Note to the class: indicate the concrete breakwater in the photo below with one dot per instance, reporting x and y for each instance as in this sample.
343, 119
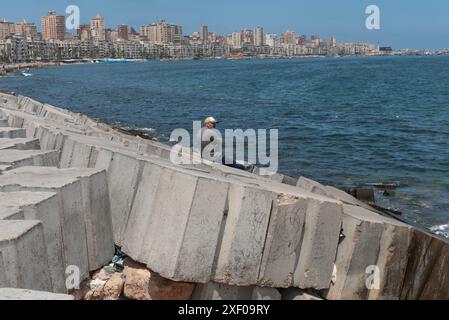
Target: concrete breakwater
71, 188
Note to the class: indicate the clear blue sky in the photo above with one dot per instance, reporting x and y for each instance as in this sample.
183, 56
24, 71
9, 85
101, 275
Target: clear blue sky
417, 24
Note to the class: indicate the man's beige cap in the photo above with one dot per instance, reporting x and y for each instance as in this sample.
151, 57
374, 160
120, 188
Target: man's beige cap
210, 120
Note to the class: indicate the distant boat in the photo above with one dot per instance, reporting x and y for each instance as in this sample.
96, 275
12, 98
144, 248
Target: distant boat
26, 74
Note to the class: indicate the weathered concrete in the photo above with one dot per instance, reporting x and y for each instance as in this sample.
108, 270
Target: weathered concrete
242, 245
331, 192
22, 158
4, 123
283, 242
4, 168
19, 144
427, 274
43, 206
24, 256
84, 205
370, 240
191, 210
30, 295
319, 245
44, 179
8, 132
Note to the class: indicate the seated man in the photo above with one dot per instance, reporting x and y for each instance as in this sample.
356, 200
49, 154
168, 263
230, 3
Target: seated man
210, 144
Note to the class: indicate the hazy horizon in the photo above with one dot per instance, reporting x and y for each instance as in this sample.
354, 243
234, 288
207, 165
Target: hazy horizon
404, 24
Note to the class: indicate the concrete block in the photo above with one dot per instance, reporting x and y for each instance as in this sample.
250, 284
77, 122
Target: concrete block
69, 190
370, 241
283, 242
331, 192
426, 275
19, 144
31, 295
357, 251
24, 255
124, 174
242, 245
97, 218
8, 132
4, 168
86, 213
392, 261
190, 209
4, 123
22, 158
319, 246
260, 293
282, 178
312, 186
43, 206
215, 291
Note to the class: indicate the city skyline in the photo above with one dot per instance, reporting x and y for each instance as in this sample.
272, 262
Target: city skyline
399, 27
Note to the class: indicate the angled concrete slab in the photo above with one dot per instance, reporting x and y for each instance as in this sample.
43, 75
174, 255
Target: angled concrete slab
24, 255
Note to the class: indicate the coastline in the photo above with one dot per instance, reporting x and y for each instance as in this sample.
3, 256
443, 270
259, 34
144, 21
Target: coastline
350, 225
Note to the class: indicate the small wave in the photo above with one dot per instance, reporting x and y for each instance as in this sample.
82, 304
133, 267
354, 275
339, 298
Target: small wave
441, 230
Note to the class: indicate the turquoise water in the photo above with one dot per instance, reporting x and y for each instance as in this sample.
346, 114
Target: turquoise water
341, 121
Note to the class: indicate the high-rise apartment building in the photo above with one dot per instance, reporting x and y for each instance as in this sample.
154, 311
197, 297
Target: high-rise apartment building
84, 32
162, 33
332, 42
7, 29
288, 37
248, 36
53, 26
259, 38
123, 32
271, 40
236, 40
97, 28
204, 33
26, 30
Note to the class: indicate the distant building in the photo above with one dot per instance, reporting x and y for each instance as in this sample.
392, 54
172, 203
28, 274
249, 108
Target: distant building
259, 39
301, 40
53, 26
248, 36
97, 28
204, 33
271, 40
332, 42
288, 37
315, 41
26, 30
7, 29
84, 32
162, 33
123, 32
236, 40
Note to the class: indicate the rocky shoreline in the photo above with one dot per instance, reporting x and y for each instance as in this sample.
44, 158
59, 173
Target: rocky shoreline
7, 68
73, 189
